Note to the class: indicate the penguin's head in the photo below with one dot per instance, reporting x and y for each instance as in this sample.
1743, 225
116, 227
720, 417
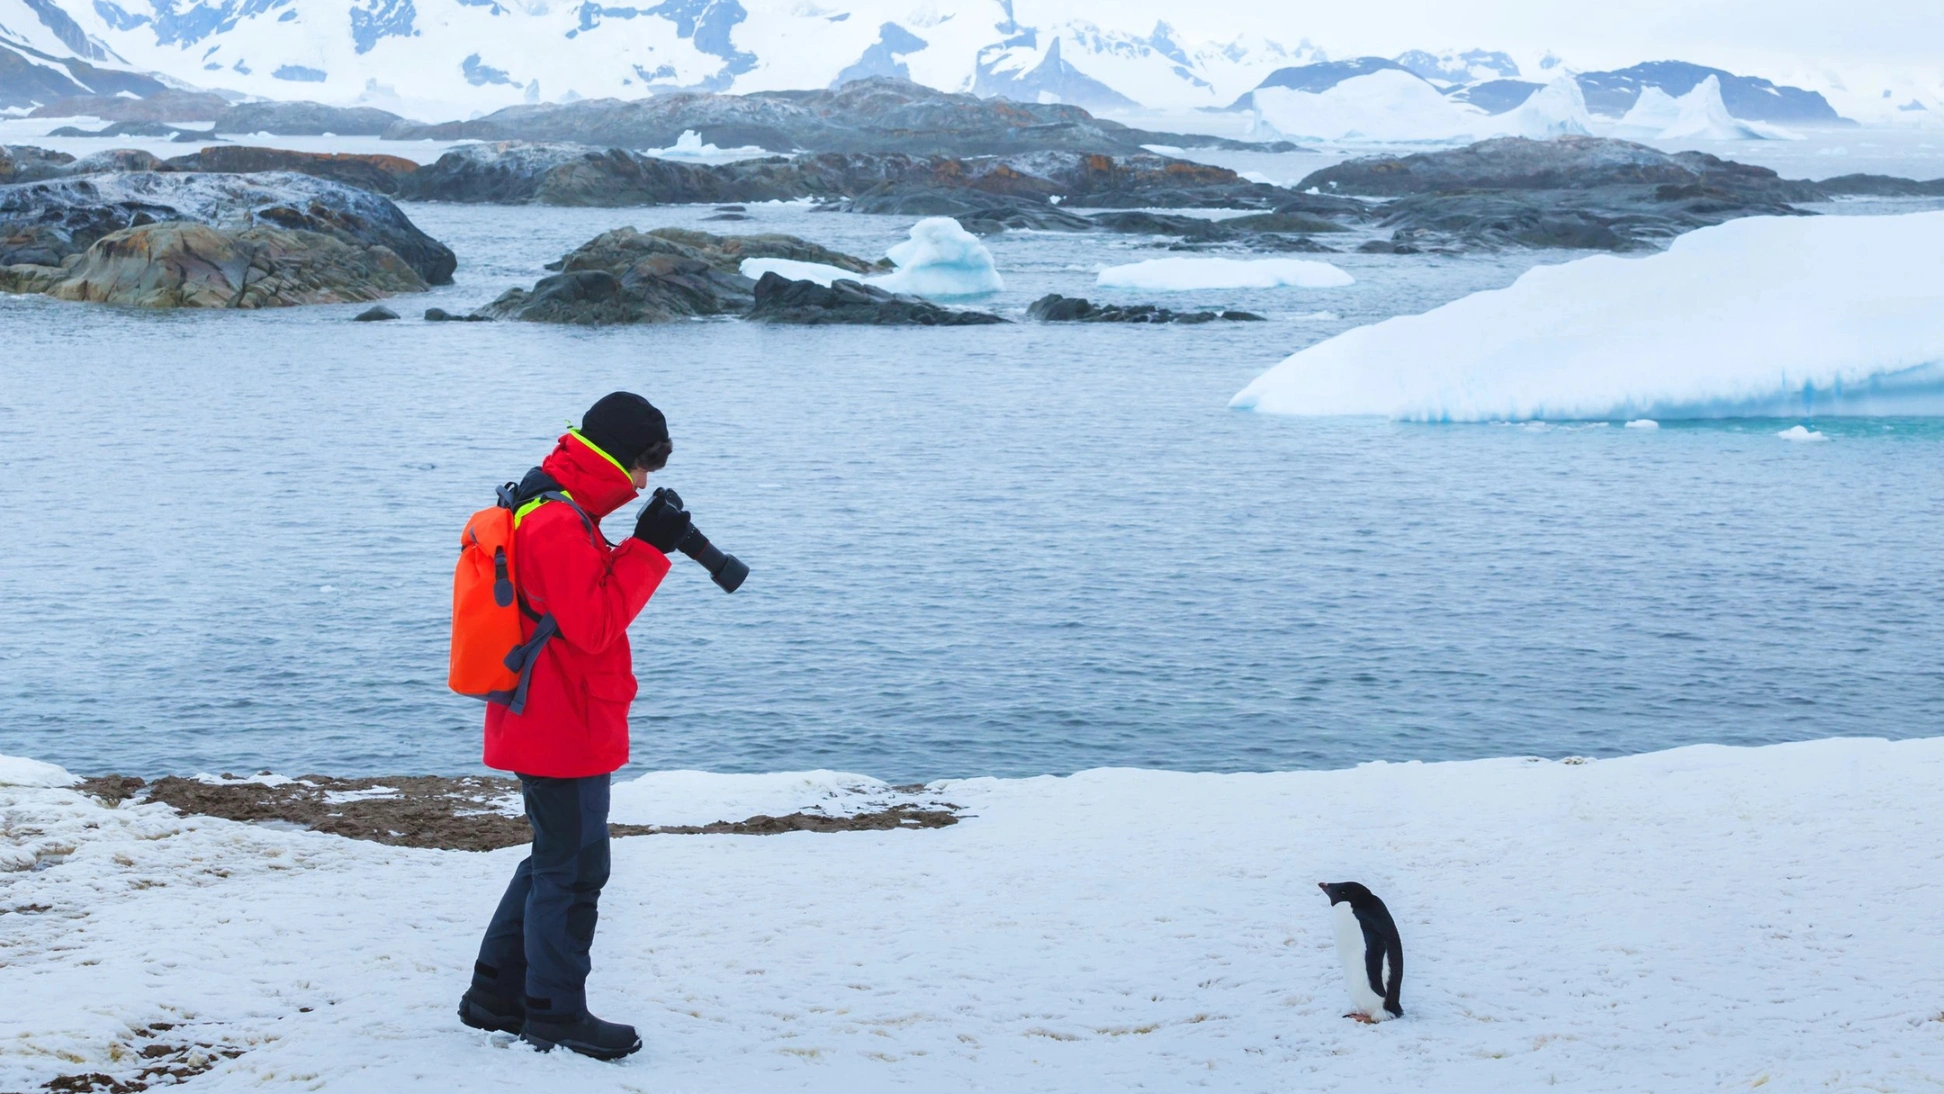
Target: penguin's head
1340, 891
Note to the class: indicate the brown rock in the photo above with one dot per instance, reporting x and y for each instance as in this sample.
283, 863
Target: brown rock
28, 278
177, 264
377, 173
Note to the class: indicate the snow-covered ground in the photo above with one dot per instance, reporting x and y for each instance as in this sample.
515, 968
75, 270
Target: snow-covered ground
1767, 316
1702, 919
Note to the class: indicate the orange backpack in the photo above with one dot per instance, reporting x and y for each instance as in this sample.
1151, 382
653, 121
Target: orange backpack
491, 659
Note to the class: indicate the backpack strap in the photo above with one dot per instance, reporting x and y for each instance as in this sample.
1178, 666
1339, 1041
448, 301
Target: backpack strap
536, 488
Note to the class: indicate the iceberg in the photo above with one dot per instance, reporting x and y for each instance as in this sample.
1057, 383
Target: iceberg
941, 259
689, 147
1762, 317
1654, 111
1698, 115
1185, 274
1802, 433
1555, 110
1387, 105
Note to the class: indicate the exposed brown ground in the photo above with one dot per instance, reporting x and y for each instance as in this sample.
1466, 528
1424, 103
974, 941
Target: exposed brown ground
465, 813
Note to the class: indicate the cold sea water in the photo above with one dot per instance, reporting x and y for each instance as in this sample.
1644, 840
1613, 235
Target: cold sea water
998, 550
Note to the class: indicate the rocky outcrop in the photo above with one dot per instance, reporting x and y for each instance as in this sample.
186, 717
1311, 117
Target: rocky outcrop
1573, 192
1880, 186
658, 289
45, 222
517, 172
1016, 190
305, 119
188, 265
628, 276
25, 163
1564, 163
380, 174
806, 303
377, 173
135, 129
1054, 308
168, 105
878, 115
621, 248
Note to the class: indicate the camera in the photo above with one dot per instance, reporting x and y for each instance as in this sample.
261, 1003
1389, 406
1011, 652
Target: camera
726, 570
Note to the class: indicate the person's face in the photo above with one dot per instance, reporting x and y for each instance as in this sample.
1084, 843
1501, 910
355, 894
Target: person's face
638, 476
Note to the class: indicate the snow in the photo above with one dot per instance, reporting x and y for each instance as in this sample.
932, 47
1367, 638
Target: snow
1766, 316
1700, 919
19, 771
1802, 433
700, 797
941, 259
755, 268
437, 59
1184, 274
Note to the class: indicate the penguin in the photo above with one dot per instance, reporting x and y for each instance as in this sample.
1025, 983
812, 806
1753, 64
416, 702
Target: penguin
1372, 953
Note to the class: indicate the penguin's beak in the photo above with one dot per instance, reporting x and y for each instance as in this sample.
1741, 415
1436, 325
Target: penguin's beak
1323, 885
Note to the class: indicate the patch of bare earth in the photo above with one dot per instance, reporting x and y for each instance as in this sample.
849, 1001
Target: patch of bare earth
156, 1061
464, 813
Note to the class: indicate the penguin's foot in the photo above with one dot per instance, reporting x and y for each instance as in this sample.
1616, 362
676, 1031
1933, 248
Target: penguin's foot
1362, 1017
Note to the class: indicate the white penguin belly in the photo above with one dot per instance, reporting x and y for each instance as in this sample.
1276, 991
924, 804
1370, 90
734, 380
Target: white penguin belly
1350, 947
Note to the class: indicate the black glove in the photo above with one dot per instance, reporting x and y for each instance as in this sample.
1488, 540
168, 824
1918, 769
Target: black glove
663, 523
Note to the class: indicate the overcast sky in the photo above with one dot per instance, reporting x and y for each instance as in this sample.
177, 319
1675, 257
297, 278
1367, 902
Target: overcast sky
1750, 35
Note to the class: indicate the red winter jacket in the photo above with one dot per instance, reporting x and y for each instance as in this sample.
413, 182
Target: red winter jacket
575, 722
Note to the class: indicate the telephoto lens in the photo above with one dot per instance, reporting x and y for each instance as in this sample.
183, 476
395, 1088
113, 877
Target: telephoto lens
725, 570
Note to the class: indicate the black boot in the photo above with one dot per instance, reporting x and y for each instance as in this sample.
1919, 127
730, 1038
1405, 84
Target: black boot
483, 1009
584, 1034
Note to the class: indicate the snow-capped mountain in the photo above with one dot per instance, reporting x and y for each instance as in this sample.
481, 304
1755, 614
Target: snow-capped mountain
441, 57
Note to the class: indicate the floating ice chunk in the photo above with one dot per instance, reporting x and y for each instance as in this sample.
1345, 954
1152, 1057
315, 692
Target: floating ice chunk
1555, 110
755, 268
1188, 274
21, 771
1766, 316
1802, 433
1698, 115
1653, 111
1643, 423
941, 259
689, 146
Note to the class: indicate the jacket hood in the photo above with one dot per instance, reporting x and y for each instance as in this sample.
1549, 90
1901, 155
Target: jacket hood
590, 476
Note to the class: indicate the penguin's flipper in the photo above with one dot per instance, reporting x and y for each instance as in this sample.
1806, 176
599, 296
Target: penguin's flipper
1376, 948
1394, 988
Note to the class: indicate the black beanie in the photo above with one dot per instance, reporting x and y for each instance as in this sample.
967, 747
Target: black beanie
624, 425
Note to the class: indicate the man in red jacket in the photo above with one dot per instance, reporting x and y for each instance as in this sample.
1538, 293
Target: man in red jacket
572, 734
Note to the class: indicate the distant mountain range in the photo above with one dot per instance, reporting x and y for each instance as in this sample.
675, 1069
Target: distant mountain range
1607, 93
447, 58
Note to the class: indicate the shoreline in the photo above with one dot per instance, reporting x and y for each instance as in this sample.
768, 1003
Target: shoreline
1697, 918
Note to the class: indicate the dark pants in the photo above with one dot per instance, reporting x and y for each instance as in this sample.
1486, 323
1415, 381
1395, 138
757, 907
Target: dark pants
537, 945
